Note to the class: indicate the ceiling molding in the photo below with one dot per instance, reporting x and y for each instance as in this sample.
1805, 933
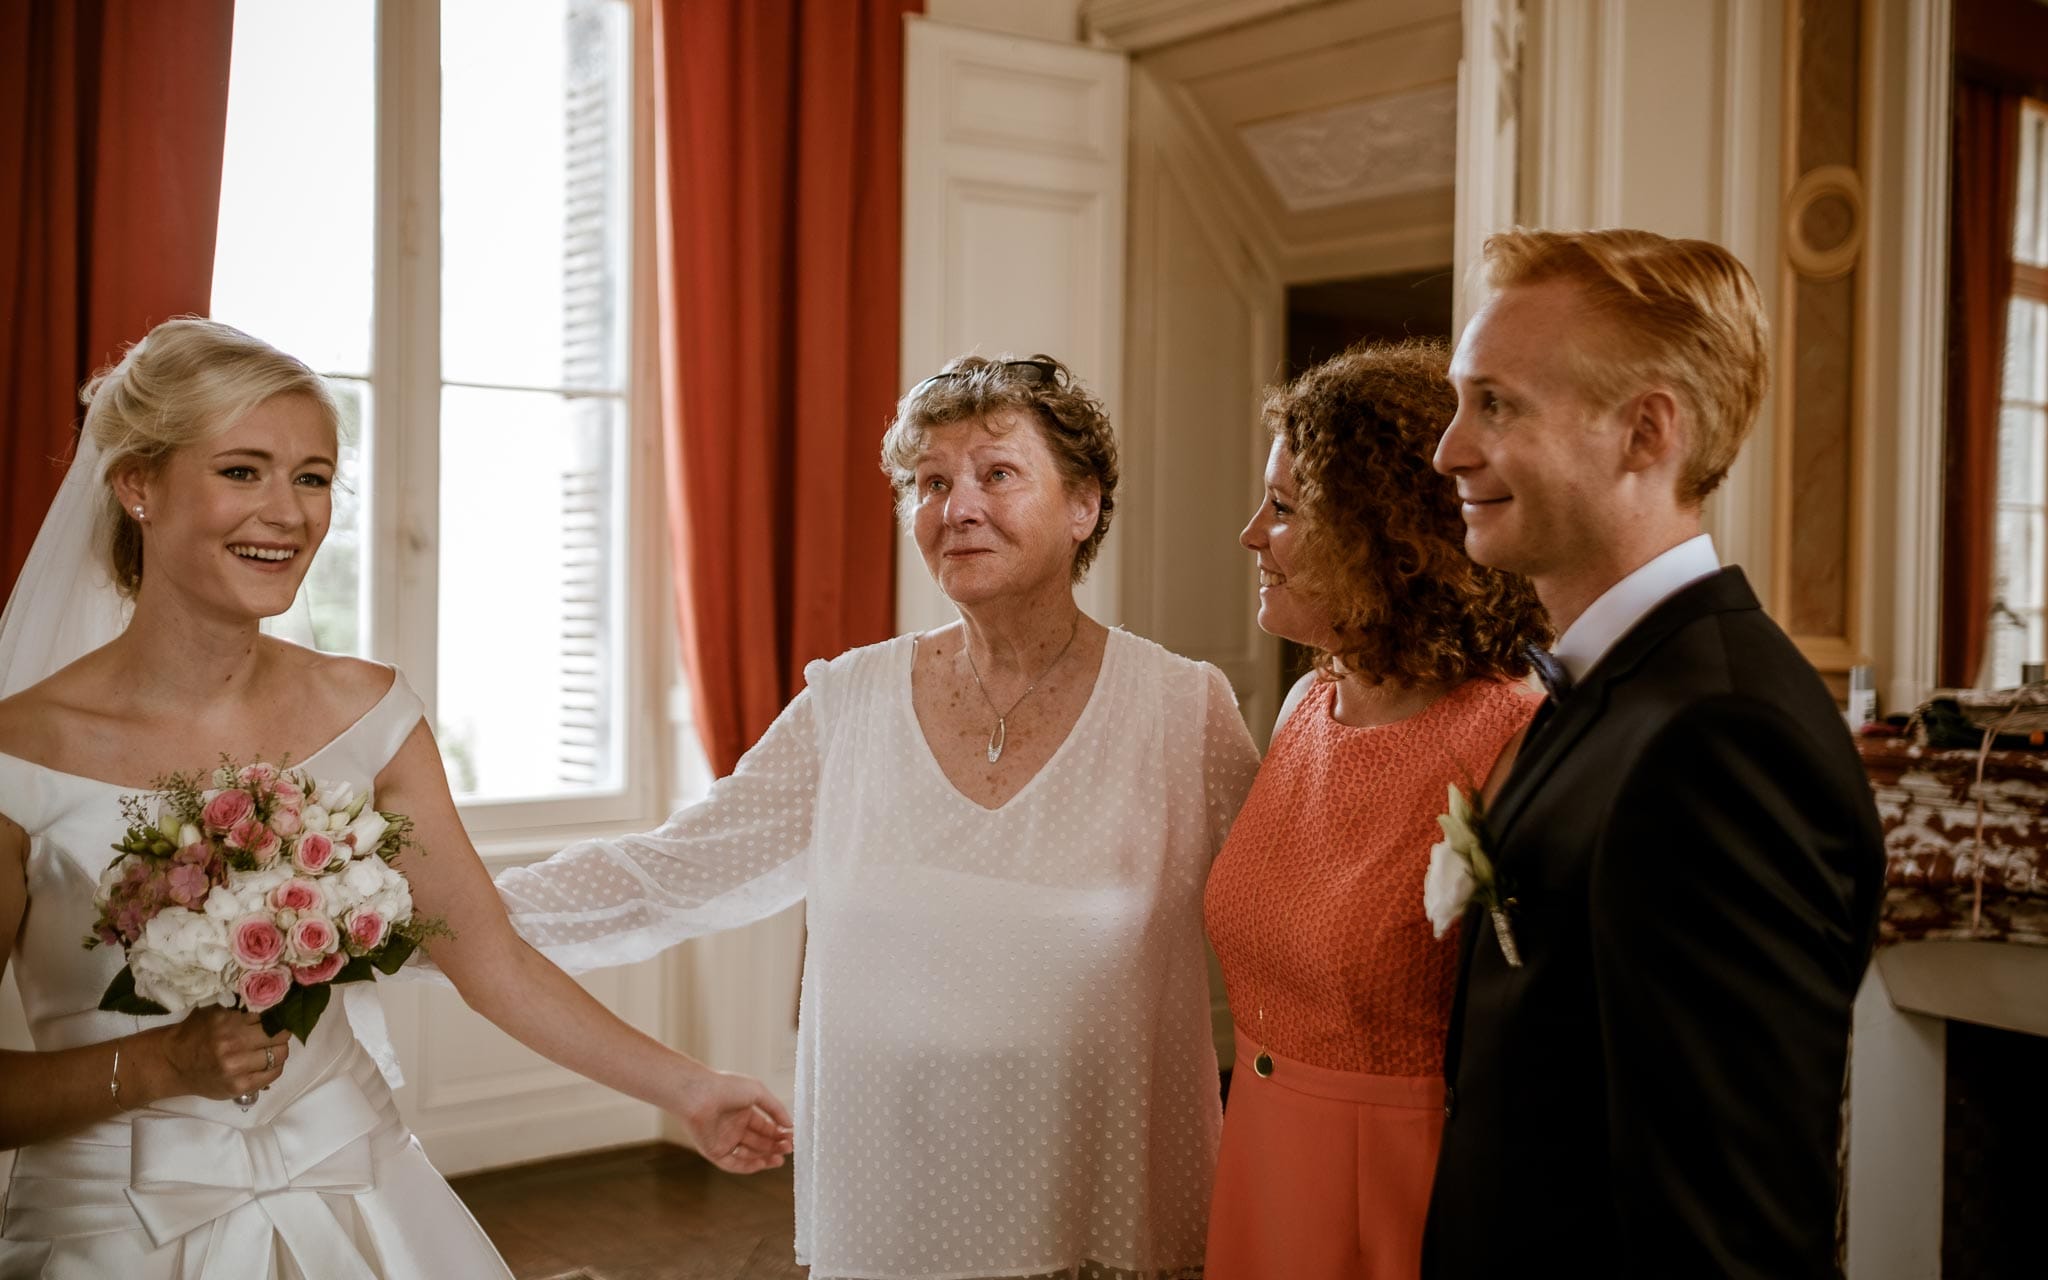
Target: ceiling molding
1137, 25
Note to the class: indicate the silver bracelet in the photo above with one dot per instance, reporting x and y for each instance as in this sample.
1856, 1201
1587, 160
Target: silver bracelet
114, 1081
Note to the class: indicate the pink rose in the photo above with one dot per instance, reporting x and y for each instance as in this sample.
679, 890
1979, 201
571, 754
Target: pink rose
296, 895
262, 988
321, 970
188, 886
287, 793
312, 853
246, 834
257, 943
287, 822
366, 929
266, 847
228, 808
256, 775
314, 935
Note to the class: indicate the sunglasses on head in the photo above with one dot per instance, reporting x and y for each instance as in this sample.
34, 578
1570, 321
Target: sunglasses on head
1034, 372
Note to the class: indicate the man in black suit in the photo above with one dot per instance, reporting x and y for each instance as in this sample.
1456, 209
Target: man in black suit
1688, 841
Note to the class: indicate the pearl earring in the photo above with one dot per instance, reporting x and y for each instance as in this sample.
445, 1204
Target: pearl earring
138, 513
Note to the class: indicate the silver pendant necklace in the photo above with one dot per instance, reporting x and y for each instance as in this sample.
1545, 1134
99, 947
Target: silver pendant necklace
1000, 737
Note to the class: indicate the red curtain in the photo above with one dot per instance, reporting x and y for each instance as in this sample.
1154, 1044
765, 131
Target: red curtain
112, 118
1985, 189
781, 151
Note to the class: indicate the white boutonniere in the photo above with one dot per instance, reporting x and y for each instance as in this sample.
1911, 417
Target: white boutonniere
1460, 871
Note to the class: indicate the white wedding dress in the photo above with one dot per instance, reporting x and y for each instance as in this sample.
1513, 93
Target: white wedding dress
319, 1180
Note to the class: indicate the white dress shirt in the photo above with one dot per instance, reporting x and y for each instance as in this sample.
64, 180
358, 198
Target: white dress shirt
1626, 603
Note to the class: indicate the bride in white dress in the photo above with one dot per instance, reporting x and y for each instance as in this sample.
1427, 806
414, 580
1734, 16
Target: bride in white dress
198, 498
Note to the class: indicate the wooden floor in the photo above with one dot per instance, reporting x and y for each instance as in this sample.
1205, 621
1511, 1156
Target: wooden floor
652, 1212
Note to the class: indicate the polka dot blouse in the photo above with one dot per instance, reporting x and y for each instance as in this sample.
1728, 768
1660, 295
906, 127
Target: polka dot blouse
1004, 1062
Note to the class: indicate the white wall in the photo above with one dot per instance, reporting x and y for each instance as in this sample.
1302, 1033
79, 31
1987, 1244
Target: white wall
1665, 117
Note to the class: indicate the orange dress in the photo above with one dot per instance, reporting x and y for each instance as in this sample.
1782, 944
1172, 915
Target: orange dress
1315, 909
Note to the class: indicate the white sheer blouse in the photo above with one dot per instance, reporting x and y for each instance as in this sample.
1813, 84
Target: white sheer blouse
1004, 1057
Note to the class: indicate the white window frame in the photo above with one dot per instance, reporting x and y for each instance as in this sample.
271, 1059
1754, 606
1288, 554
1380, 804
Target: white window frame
401, 542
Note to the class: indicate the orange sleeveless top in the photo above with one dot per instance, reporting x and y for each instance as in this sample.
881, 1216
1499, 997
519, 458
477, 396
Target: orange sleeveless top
1315, 904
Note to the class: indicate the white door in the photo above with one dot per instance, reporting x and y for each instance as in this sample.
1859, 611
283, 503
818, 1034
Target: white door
1013, 230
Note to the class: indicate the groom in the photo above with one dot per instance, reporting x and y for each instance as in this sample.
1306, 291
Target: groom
1687, 838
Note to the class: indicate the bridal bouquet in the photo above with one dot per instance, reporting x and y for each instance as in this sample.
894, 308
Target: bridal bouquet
254, 887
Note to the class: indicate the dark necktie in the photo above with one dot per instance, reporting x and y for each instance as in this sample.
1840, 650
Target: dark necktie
1557, 682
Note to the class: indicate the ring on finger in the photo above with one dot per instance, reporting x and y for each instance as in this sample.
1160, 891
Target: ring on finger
269, 1058
735, 1149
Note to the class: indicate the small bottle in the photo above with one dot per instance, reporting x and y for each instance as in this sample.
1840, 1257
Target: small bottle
1862, 696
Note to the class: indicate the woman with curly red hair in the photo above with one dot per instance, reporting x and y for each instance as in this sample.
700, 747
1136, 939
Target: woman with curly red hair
1339, 987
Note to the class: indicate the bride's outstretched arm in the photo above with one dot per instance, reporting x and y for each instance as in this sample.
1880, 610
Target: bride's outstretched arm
739, 855
734, 1120
215, 1053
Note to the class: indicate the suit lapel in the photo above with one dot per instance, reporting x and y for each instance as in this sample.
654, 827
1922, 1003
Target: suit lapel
1583, 706
1567, 724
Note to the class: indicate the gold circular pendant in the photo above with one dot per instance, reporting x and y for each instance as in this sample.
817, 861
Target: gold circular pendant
1263, 1064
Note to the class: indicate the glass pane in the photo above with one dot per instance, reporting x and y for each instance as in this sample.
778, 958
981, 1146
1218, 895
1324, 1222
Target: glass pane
328, 613
2020, 466
2030, 223
533, 513
535, 158
294, 261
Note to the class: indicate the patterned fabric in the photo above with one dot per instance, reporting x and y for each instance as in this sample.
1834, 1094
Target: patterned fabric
1004, 1064
1315, 905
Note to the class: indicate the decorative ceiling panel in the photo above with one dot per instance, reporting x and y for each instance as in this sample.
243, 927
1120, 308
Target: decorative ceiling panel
1365, 150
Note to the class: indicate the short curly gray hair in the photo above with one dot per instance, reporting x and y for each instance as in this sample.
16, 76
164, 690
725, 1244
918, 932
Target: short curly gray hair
1072, 422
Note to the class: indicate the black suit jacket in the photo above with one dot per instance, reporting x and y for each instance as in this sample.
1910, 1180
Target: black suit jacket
1696, 865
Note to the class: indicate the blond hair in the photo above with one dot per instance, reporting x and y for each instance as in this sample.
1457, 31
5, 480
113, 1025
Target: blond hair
186, 382
1072, 422
1684, 313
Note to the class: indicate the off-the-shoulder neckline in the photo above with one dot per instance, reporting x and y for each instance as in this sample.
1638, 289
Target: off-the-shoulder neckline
389, 693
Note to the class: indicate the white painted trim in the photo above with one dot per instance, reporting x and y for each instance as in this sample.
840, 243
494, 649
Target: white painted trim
1897, 1108
1919, 390
1610, 93
1741, 513
1488, 128
1557, 156
401, 502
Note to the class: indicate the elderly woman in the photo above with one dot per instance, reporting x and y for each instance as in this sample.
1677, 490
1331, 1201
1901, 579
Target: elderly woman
1002, 827
1339, 986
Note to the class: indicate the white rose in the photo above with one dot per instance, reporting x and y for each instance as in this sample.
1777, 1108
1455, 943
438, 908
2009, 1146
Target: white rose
395, 902
368, 830
1446, 887
363, 879
188, 835
252, 888
315, 817
334, 796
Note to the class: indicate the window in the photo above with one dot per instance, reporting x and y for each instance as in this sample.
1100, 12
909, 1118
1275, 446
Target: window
2021, 556
486, 538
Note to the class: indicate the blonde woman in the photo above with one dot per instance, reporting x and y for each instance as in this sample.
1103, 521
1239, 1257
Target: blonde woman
130, 650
